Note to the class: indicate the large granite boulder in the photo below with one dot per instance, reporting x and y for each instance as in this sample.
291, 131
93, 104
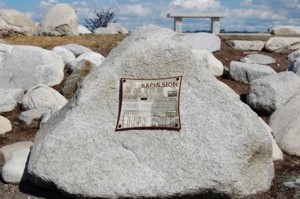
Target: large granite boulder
267, 94
14, 23
222, 145
245, 72
201, 41
26, 66
60, 20
286, 30
246, 45
281, 44
285, 123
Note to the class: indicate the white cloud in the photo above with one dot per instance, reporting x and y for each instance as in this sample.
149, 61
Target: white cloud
203, 6
135, 10
45, 5
249, 15
256, 14
260, 15
80, 3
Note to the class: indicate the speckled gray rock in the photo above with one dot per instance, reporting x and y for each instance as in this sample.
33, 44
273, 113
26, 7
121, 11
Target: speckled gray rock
210, 61
46, 116
269, 93
13, 171
277, 153
93, 57
202, 41
26, 66
104, 31
222, 146
285, 123
281, 44
7, 151
258, 59
246, 45
5, 125
9, 98
294, 56
42, 96
286, 30
117, 27
33, 114
60, 20
14, 23
83, 30
76, 49
245, 72
65, 54
295, 67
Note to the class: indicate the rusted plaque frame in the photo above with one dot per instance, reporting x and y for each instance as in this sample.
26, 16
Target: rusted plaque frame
149, 104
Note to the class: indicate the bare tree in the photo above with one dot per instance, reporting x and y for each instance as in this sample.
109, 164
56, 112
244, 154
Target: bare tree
103, 17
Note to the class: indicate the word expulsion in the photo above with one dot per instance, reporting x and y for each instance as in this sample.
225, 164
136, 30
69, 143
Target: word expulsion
159, 84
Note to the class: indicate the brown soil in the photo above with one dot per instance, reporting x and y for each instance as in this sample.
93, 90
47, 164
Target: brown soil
286, 170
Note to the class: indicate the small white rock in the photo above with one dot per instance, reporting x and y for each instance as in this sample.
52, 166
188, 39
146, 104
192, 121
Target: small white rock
42, 96
7, 151
93, 57
65, 54
13, 170
5, 125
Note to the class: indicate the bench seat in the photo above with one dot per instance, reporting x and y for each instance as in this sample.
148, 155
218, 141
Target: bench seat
215, 20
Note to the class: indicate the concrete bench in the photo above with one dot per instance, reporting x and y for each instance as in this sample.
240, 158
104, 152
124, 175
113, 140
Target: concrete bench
215, 20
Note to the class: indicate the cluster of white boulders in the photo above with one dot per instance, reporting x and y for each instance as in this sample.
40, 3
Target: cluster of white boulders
27, 74
271, 93
285, 38
60, 20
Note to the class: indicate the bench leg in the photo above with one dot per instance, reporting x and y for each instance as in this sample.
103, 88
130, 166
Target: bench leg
178, 24
215, 25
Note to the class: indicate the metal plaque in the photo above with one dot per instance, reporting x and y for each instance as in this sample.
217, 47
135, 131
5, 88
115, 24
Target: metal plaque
149, 103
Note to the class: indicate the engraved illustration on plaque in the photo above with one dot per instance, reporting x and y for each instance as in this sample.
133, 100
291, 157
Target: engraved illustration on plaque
149, 103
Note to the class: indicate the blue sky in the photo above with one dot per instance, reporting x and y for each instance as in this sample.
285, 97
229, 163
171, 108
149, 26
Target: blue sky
251, 15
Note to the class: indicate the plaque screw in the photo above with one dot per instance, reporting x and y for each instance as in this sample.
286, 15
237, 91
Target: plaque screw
177, 78
124, 80
176, 125
120, 126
